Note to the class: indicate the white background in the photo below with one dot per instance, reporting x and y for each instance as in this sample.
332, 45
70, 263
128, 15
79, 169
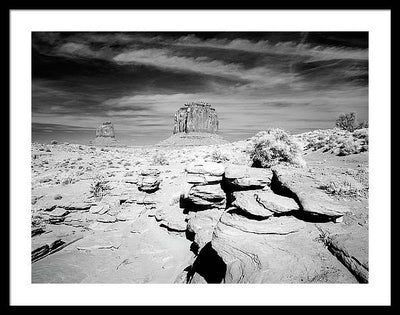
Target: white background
376, 292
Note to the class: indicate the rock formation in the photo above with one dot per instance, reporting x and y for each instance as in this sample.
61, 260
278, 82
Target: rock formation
149, 180
106, 130
206, 217
196, 117
105, 134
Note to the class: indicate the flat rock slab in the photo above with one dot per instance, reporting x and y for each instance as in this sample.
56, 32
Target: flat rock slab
99, 209
351, 248
207, 196
242, 177
172, 217
200, 179
206, 168
150, 172
153, 256
304, 188
202, 225
149, 183
268, 258
130, 212
246, 201
106, 218
58, 212
273, 225
275, 203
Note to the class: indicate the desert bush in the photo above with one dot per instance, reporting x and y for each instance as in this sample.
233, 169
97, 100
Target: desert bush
217, 156
348, 187
37, 221
275, 146
324, 237
349, 146
347, 121
99, 187
67, 178
362, 125
362, 134
315, 144
160, 159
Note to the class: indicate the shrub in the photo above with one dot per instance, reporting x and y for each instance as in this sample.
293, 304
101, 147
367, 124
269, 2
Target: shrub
362, 125
348, 147
37, 221
160, 159
324, 237
67, 178
347, 121
218, 156
274, 146
361, 134
347, 187
99, 187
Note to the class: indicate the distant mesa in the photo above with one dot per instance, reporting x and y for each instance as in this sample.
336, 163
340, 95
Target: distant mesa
106, 130
195, 124
196, 117
105, 135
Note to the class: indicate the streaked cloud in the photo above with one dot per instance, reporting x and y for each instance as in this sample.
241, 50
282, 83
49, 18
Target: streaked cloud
254, 80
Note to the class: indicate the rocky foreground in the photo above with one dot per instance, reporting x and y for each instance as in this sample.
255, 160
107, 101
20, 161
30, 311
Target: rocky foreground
199, 214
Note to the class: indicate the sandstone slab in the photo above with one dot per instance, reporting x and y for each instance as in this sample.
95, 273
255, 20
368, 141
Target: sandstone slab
275, 203
207, 196
252, 255
246, 201
202, 225
58, 212
149, 183
206, 168
304, 189
241, 177
172, 217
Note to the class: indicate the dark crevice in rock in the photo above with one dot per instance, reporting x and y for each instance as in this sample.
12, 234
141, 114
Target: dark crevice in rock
278, 188
194, 248
359, 271
37, 231
228, 192
208, 265
256, 164
311, 217
189, 235
172, 230
246, 214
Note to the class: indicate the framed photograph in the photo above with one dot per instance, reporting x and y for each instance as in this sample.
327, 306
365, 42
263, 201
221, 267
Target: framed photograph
200, 157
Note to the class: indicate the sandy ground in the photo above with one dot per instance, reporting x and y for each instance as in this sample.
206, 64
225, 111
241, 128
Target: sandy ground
127, 244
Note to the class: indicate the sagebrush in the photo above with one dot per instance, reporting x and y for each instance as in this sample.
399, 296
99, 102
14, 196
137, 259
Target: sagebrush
217, 156
99, 187
274, 146
160, 158
345, 188
348, 121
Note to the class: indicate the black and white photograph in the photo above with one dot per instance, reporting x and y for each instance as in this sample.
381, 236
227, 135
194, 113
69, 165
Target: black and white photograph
200, 157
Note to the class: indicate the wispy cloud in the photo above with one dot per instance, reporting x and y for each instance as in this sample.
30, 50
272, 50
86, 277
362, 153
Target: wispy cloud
164, 58
139, 80
283, 48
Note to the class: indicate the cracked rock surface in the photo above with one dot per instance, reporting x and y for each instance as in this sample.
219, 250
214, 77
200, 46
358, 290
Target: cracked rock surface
113, 215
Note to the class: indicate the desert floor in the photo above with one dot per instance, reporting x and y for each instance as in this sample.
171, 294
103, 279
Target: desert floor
135, 236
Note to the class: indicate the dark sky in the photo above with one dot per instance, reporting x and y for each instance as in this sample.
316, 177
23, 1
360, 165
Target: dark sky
296, 81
